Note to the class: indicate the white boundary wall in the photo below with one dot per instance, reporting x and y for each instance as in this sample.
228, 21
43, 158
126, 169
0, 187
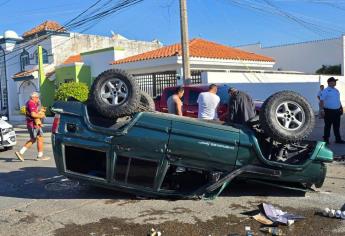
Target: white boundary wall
305, 56
262, 85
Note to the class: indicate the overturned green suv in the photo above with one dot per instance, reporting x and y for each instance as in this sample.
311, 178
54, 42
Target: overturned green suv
117, 141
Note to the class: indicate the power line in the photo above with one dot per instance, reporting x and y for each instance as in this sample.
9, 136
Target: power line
272, 9
89, 20
4, 3
46, 36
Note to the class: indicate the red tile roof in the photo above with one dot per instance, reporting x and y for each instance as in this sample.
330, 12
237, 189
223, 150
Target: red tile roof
73, 59
198, 48
45, 26
29, 72
23, 73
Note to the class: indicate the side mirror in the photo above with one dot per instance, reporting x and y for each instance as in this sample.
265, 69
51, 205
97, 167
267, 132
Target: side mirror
4, 118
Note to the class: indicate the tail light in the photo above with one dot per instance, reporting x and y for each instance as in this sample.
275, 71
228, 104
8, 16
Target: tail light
56, 123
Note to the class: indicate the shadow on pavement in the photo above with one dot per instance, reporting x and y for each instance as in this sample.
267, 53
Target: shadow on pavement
46, 183
241, 188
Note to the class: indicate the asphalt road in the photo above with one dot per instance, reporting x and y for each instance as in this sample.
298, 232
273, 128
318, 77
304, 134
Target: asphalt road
35, 200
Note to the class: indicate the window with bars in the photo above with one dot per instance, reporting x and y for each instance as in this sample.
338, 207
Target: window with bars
155, 83
24, 60
44, 55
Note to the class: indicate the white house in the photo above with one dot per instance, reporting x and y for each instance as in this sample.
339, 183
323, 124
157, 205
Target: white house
305, 57
162, 67
18, 58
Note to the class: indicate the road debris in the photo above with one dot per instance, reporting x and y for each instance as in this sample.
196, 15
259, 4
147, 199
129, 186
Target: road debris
262, 219
278, 216
272, 230
154, 232
248, 231
334, 213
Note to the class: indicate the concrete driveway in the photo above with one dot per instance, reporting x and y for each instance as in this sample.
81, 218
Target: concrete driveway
36, 200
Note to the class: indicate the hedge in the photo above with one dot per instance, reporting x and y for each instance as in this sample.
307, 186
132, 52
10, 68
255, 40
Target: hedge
78, 91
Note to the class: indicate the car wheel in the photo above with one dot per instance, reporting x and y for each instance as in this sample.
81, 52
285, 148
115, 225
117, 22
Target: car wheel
115, 93
287, 117
146, 102
8, 148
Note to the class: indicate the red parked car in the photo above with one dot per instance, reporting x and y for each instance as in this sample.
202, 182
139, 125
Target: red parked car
190, 105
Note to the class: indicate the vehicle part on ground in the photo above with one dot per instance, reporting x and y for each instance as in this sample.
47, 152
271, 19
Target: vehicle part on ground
146, 102
115, 93
286, 117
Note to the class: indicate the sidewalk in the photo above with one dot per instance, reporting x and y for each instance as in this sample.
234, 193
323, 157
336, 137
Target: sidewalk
338, 149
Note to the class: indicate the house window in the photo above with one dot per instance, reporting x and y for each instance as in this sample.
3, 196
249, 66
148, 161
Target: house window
24, 60
44, 55
69, 80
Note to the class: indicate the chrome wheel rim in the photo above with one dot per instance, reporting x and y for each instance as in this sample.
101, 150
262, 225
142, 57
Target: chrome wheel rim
290, 115
114, 92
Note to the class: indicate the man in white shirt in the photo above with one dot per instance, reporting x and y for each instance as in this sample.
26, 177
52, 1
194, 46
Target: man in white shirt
331, 110
208, 104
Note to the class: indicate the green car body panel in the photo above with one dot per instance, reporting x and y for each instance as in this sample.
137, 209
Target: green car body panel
162, 140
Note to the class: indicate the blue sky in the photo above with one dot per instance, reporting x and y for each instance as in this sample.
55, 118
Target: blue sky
230, 22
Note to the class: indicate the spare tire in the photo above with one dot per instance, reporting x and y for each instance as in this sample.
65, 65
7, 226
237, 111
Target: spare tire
146, 102
287, 117
115, 93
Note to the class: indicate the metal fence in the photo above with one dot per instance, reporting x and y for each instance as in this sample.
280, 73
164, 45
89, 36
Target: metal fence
155, 83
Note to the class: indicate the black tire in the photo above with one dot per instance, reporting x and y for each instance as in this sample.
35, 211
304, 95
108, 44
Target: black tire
146, 102
287, 117
125, 105
8, 148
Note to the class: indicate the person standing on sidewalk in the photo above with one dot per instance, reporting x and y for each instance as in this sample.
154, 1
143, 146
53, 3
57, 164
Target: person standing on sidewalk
208, 104
174, 102
35, 131
331, 110
322, 87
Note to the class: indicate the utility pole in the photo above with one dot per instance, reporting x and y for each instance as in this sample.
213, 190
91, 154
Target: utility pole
185, 42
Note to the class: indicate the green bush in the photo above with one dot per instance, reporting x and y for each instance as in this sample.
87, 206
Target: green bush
79, 91
329, 70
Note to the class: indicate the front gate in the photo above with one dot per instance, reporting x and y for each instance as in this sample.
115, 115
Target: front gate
155, 83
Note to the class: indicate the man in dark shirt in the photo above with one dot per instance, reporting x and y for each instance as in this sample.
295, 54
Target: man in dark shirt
241, 107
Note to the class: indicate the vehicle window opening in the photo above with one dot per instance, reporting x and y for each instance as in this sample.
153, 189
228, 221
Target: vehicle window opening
182, 179
135, 171
86, 161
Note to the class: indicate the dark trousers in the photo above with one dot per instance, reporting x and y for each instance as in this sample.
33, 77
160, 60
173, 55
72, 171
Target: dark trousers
332, 117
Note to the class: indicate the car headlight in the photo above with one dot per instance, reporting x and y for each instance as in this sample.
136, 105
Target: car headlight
7, 130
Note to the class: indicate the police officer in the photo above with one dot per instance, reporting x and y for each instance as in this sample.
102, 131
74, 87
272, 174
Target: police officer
331, 110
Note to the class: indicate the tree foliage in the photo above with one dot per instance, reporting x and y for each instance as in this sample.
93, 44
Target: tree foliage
329, 70
78, 91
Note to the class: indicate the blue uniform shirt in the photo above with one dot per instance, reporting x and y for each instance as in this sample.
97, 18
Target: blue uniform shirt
331, 98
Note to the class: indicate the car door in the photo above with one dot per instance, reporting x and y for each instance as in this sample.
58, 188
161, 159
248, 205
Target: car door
203, 144
198, 154
139, 153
